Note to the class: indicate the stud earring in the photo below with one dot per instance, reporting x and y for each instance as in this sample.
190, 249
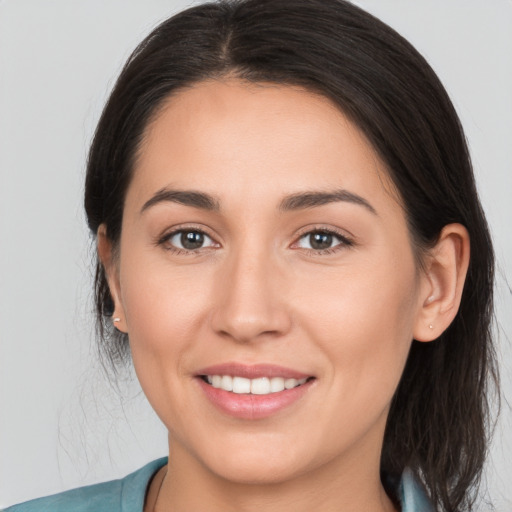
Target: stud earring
116, 320
431, 326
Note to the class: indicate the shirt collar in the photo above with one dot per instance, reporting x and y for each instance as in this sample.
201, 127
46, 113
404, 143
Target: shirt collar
412, 495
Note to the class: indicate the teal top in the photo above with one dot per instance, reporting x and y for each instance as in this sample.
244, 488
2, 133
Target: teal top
128, 494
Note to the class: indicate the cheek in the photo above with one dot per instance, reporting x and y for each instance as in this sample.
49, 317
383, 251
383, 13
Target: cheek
362, 319
165, 311
162, 303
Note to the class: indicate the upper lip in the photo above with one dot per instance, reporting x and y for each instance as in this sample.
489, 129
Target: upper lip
253, 371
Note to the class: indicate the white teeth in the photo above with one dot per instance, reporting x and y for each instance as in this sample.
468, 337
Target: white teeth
241, 385
259, 386
290, 383
227, 383
276, 384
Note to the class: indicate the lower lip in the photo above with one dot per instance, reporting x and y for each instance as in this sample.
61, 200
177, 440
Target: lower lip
253, 407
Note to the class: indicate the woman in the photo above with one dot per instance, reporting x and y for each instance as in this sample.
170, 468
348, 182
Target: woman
291, 246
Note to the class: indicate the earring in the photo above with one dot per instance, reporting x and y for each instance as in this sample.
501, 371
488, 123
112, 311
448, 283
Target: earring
116, 320
431, 326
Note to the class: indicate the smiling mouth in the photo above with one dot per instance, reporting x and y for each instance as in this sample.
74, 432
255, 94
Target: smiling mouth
258, 386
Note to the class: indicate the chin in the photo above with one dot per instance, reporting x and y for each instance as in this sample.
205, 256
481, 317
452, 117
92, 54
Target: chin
255, 472
271, 462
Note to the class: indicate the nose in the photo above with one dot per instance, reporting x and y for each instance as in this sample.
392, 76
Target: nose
251, 304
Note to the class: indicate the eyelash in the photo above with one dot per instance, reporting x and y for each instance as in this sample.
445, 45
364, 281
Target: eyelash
165, 241
344, 241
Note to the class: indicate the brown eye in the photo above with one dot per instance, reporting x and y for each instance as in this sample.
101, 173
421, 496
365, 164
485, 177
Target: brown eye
190, 240
319, 241
322, 240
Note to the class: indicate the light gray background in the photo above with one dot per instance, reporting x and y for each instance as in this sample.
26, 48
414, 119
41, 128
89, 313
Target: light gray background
61, 424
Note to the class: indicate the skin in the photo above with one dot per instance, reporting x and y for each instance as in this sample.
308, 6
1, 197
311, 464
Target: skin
257, 293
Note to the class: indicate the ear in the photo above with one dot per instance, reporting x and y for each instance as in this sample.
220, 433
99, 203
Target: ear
109, 261
443, 279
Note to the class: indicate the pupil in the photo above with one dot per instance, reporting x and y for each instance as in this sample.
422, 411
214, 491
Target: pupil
321, 240
192, 239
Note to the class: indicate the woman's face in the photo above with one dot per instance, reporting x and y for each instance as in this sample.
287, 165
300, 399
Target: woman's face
262, 242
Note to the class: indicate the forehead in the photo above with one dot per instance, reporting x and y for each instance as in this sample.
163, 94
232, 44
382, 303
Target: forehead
231, 137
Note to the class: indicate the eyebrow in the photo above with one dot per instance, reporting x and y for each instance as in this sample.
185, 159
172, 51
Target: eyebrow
185, 197
305, 200
299, 201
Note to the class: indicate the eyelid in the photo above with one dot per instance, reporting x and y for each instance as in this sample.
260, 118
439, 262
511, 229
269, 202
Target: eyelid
163, 239
346, 240
326, 228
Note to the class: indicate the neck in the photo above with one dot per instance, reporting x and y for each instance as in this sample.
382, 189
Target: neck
348, 485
